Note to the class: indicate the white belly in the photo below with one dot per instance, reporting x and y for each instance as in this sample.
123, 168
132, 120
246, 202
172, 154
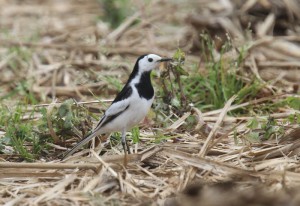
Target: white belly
133, 115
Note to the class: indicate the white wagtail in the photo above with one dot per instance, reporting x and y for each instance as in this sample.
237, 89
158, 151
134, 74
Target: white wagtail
131, 105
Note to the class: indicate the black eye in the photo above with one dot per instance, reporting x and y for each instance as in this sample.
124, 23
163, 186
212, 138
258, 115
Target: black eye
150, 60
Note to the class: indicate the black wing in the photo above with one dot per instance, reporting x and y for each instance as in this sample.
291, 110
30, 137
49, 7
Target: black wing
118, 106
123, 94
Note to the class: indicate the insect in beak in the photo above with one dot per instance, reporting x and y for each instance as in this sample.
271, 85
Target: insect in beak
165, 59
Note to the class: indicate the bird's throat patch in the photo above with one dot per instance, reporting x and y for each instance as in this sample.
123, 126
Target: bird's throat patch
144, 87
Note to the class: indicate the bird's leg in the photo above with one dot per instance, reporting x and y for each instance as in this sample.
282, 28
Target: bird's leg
123, 140
128, 147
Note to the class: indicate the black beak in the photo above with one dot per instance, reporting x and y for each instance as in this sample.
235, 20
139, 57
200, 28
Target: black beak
165, 59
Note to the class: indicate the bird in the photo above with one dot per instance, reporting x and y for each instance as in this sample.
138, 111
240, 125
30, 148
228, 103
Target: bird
131, 104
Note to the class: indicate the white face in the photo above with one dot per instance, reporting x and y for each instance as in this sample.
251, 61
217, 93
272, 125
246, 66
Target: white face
149, 62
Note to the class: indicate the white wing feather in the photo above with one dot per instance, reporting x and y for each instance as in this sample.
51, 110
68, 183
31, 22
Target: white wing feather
117, 107
114, 109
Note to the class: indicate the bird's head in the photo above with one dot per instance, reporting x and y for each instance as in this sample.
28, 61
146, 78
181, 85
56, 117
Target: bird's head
149, 62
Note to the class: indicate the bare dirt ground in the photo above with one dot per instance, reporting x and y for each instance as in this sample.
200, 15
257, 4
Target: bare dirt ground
58, 48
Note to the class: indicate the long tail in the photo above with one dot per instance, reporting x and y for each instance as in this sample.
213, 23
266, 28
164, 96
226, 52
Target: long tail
80, 144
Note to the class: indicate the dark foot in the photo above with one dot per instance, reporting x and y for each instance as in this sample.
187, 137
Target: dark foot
124, 147
128, 148
125, 153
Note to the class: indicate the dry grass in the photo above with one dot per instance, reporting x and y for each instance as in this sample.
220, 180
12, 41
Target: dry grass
68, 47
